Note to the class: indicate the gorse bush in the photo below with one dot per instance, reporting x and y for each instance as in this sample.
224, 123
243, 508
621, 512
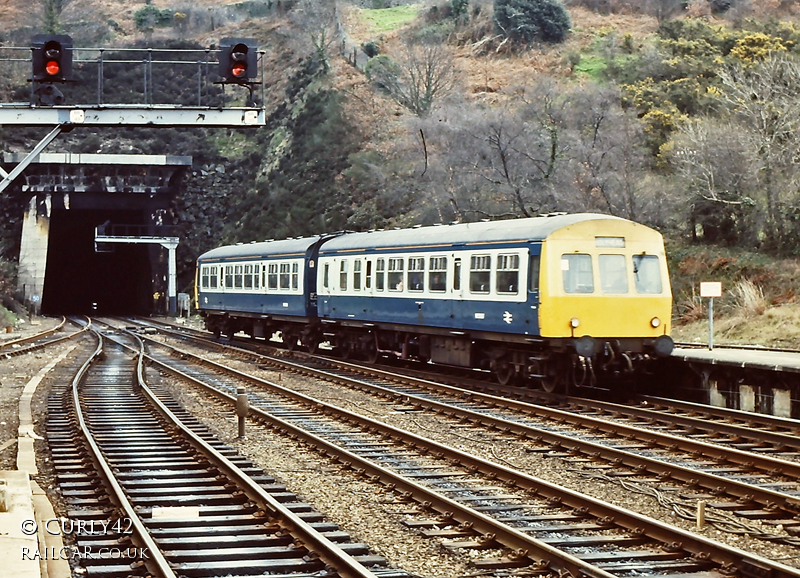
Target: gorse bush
527, 21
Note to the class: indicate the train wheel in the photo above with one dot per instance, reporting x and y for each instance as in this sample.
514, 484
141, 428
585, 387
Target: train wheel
553, 382
346, 350
372, 354
504, 372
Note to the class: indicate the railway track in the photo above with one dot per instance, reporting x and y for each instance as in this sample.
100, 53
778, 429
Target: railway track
152, 493
556, 530
745, 484
39, 340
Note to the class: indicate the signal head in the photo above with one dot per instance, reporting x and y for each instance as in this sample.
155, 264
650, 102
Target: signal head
238, 59
52, 57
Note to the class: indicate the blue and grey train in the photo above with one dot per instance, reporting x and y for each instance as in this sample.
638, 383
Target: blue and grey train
550, 300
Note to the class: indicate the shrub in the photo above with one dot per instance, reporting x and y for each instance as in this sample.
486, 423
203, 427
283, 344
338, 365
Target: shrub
526, 21
151, 17
371, 48
749, 298
7, 318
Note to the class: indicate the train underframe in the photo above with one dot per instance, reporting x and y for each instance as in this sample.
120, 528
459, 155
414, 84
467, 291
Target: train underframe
554, 365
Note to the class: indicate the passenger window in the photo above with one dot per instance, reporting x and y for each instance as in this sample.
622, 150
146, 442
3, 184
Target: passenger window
204, 271
237, 276
437, 274
480, 270
577, 270
416, 274
256, 275
395, 276
380, 265
457, 274
285, 268
248, 276
272, 278
343, 276
508, 274
368, 279
295, 276
533, 273
357, 275
613, 274
647, 274
325, 273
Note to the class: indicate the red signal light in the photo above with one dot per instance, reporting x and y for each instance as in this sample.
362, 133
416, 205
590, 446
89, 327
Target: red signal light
52, 67
239, 70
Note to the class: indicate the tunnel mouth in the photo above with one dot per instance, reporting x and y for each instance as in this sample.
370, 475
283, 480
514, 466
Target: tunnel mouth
116, 280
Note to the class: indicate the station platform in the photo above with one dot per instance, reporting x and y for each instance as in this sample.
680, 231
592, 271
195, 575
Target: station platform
27, 549
741, 357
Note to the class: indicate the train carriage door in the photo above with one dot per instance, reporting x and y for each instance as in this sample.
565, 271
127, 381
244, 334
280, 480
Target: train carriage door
534, 297
325, 281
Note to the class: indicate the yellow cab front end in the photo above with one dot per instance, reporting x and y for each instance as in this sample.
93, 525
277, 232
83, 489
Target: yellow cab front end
604, 285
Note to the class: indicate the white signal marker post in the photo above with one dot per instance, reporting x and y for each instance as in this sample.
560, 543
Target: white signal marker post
710, 289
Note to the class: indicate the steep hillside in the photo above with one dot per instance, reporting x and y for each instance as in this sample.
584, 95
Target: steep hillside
627, 116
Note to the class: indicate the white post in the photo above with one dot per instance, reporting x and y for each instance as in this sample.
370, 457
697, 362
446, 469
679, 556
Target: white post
710, 289
710, 323
172, 283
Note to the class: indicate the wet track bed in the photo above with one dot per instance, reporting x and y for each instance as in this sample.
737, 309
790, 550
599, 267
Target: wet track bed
475, 504
159, 501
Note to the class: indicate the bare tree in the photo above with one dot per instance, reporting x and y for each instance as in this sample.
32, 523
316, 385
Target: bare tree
664, 9
711, 160
318, 19
422, 74
763, 100
606, 154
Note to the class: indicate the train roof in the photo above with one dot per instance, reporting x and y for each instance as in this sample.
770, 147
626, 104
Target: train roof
260, 249
530, 229
513, 230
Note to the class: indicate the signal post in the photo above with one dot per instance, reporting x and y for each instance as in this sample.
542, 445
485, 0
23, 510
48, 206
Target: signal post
52, 57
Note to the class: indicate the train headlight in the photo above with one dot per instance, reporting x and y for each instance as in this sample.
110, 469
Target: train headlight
574, 322
655, 322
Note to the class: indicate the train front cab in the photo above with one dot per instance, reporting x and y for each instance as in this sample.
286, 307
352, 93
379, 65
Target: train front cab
604, 300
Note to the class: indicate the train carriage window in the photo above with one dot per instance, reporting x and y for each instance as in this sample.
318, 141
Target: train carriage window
285, 276
577, 272
272, 276
647, 274
237, 276
533, 273
264, 276
395, 276
343, 276
368, 277
480, 270
613, 274
229, 276
248, 276
256, 275
325, 275
210, 277
380, 266
416, 274
508, 274
357, 275
295, 276
437, 274
457, 274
